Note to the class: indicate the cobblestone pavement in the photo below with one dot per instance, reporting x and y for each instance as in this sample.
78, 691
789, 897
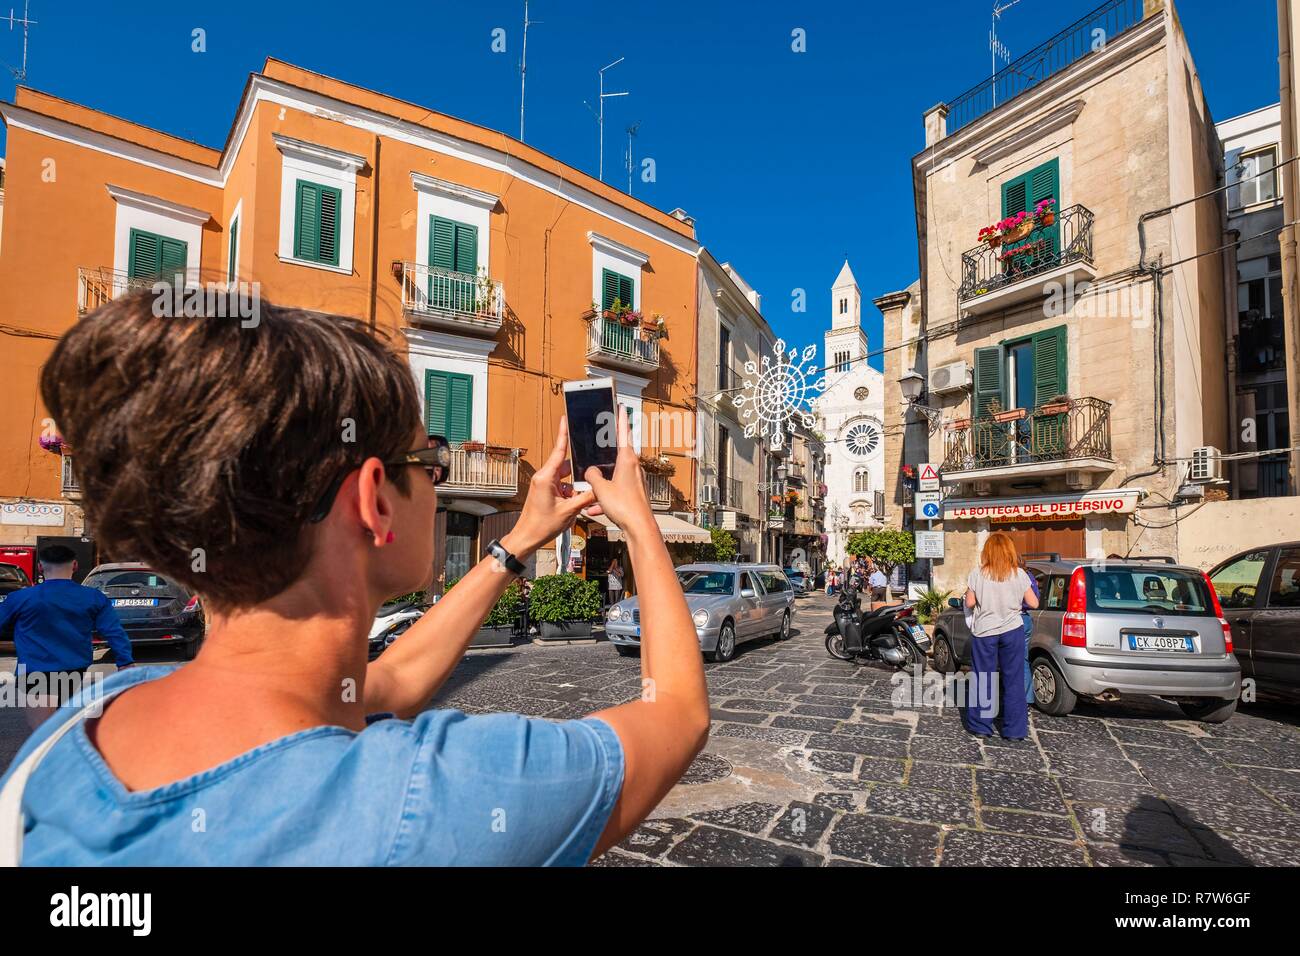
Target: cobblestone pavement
810, 764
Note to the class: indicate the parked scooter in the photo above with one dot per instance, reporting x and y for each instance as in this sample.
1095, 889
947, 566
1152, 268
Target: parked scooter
392, 621
890, 634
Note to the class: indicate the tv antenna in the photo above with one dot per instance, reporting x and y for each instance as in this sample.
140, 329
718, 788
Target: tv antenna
20, 75
996, 47
600, 114
631, 132
523, 69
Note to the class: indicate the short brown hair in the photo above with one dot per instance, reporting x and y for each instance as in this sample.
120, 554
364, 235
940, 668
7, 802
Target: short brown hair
204, 433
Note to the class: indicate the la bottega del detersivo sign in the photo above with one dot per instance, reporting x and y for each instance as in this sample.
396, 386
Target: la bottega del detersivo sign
1068, 508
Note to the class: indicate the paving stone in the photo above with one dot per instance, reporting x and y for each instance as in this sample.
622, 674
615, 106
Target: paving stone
754, 704
1028, 824
750, 817
1021, 791
884, 842
941, 776
711, 846
925, 806
882, 769
772, 735
1147, 828
945, 750
867, 746
878, 729
985, 848
800, 722
654, 837
832, 761
737, 716
803, 823
839, 711
1024, 759
1104, 855
836, 801
614, 858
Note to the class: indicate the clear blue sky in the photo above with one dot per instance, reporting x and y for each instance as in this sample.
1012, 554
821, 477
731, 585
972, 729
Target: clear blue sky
789, 162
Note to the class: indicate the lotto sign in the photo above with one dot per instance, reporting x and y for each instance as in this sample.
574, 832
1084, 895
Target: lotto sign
927, 477
929, 544
928, 505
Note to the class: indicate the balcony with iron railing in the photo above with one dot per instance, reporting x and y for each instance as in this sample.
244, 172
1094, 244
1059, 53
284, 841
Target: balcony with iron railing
612, 342
995, 277
1050, 57
1057, 437
482, 472
450, 300
98, 286
731, 493
69, 486
660, 491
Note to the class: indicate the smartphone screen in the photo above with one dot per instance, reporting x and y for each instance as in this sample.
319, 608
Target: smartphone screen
593, 430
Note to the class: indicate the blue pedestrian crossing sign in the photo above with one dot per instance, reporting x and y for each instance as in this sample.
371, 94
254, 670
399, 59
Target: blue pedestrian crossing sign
929, 505
931, 511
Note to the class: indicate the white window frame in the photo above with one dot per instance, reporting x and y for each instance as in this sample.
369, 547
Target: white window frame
236, 226
616, 257
1253, 182
444, 352
301, 160
446, 200
162, 217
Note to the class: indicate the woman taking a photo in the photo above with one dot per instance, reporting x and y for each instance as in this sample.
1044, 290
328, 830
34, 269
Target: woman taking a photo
995, 594
284, 474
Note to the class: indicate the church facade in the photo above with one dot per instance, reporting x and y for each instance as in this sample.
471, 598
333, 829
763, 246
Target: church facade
850, 415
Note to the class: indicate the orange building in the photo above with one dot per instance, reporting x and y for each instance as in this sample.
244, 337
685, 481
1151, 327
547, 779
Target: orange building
477, 255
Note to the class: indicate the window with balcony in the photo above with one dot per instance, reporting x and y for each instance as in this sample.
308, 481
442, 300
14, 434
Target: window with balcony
453, 265
724, 357
449, 405
153, 256
616, 287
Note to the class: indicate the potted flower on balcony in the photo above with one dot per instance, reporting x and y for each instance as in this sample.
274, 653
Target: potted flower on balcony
992, 235
1045, 213
657, 465
564, 605
592, 312
472, 446
1056, 405
1016, 227
958, 425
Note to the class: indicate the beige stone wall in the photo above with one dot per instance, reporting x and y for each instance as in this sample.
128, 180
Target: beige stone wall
1220, 529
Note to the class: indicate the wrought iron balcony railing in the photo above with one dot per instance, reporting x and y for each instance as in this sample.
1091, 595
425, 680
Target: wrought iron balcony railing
660, 491
619, 344
69, 486
1045, 60
488, 472
986, 268
99, 286
1057, 431
452, 298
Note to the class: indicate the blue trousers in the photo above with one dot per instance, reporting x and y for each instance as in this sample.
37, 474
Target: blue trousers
998, 670
1029, 674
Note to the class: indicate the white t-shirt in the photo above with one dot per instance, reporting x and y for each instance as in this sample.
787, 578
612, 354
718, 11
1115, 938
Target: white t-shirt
997, 603
615, 580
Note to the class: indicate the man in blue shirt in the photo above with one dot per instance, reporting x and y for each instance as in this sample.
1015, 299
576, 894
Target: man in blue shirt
879, 585
55, 622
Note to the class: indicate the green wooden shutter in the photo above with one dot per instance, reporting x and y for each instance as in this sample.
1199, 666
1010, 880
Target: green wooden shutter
1045, 183
460, 408
626, 292
306, 217
329, 224
442, 243
1015, 194
232, 261
435, 402
990, 379
1049, 364
466, 258
449, 405
152, 256
609, 289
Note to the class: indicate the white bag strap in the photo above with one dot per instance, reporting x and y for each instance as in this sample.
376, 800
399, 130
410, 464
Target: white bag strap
11, 797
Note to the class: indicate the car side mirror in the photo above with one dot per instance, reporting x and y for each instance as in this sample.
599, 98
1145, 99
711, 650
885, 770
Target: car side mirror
954, 603
747, 592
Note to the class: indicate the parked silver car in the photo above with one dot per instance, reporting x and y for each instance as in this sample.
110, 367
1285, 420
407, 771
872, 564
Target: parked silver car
1106, 629
730, 603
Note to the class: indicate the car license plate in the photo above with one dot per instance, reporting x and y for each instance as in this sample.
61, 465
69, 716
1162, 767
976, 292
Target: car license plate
919, 635
1159, 642
135, 602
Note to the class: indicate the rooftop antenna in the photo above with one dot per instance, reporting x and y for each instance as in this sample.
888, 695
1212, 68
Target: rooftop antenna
20, 75
631, 132
523, 69
996, 47
600, 115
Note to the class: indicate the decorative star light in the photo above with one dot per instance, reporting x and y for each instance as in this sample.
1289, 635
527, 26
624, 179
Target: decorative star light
776, 396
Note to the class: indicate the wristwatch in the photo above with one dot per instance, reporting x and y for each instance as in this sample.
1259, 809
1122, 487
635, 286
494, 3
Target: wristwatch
505, 558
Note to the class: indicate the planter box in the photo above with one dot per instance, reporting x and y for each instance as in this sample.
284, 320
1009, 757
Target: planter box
1018, 233
1054, 408
575, 631
495, 636
1011, 415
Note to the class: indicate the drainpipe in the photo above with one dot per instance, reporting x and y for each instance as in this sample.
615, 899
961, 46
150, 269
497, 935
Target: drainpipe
1232, 330
374, 238
1287, 240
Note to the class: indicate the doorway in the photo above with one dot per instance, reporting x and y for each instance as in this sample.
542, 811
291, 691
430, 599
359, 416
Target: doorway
1065, 538
462, 530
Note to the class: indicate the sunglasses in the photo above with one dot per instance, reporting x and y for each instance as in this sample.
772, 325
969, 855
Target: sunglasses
434, 458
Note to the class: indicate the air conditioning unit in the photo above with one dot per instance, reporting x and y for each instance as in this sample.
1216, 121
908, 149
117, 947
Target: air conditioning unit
1206, 464
709, 494
953, 377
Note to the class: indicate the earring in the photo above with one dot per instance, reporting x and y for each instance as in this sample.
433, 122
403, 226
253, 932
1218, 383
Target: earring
391, 538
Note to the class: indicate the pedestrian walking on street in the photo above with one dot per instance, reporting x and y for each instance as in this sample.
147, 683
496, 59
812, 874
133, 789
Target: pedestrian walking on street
55, 623
614, 582
1028, 623
293, 746
996, 591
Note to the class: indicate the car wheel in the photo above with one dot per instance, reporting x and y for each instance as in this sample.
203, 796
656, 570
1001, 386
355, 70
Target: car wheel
627, 650
1051, 694
1211, 711
944, 659
784, 633
726, 648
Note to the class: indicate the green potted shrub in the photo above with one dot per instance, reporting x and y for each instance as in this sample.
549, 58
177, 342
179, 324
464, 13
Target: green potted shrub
564, 605
498, 628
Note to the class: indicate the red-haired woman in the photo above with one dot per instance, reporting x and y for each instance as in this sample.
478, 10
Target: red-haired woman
995, 593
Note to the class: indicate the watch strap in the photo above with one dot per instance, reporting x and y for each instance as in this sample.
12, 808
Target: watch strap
505, 558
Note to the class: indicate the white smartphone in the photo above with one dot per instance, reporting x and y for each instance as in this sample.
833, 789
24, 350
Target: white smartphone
593, 428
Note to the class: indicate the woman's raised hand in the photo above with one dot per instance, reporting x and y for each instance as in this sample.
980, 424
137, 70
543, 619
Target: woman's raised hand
623, 498
552, 503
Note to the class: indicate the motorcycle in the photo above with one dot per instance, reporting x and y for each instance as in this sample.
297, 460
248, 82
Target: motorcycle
392, 621
890, 634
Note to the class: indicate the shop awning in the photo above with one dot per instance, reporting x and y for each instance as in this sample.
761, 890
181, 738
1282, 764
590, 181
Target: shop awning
674, 529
